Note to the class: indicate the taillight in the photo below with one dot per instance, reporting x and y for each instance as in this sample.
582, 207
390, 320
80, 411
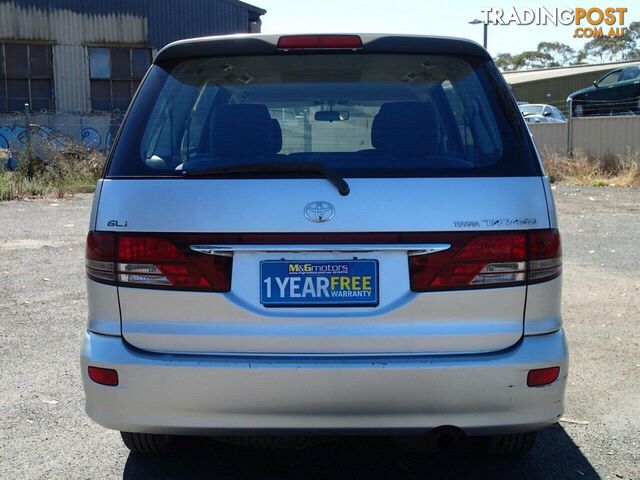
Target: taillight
296, 42
155, 261
544, 255
477, 260
100, 256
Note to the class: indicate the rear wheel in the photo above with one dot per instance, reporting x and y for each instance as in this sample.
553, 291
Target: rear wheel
146, 443
512, 444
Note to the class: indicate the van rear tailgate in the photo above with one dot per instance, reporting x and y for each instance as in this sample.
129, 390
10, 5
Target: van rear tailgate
403, 321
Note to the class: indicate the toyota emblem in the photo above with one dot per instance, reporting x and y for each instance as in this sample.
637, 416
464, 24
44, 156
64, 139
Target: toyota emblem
319, 212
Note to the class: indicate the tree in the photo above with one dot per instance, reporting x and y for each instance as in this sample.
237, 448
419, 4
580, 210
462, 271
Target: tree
533, 59
557, 54
633, 36
613, 49
562, 54
504, 61
602, 50
548, 54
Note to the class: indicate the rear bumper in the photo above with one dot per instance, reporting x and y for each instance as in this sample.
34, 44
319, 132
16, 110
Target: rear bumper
180, 394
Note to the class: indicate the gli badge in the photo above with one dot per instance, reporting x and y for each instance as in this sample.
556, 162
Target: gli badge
319, 212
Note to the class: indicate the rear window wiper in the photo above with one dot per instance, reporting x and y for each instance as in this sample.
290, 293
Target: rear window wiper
285, 167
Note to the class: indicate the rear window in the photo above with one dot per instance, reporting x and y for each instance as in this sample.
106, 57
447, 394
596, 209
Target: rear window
363, 115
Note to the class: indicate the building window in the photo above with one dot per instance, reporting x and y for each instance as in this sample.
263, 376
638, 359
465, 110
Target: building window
26, 76
115, 75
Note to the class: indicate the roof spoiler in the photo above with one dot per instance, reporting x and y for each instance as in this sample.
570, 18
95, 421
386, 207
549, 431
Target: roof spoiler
238, 45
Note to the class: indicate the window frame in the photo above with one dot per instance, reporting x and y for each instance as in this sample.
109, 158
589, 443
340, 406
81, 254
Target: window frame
558, 114
28, 77
132, 80
121, 163
617, 71
632, 79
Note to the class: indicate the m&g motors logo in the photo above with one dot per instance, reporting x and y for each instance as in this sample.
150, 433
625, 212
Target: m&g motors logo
310, 269
589, 22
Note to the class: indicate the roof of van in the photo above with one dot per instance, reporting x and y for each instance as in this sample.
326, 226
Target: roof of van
261, 44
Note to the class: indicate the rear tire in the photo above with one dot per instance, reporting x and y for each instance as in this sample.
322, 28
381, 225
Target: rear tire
512, 444
146, 443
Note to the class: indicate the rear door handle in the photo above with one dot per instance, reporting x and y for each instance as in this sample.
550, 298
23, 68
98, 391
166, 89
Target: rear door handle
411, 249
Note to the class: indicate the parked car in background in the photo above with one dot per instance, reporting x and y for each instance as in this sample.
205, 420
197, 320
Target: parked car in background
541, 113
617, 93
290, 238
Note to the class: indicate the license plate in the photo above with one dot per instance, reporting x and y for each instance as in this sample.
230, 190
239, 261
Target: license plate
330, 283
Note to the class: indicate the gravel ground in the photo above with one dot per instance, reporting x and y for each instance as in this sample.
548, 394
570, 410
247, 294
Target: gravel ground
45, 434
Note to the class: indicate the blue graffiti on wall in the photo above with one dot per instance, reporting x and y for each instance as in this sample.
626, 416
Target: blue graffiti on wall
91, 138
14, 138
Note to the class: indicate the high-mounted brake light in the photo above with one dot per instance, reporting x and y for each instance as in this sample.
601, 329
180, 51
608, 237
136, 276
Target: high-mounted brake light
296, 42
489, 260
154, 261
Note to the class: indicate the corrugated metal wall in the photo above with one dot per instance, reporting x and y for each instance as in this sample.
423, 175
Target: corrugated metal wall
594, 136
554, 91
171, 20
71, 84
71, 25
27, 20
156, 22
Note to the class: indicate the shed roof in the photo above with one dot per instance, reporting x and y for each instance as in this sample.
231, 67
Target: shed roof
524, 76
248, 6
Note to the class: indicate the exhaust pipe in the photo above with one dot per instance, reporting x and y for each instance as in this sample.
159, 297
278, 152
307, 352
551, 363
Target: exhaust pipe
442, 438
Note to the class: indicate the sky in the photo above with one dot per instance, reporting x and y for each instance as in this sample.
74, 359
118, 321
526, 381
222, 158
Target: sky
424, 17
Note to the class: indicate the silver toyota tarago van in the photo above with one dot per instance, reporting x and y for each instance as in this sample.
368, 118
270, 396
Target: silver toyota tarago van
310, 235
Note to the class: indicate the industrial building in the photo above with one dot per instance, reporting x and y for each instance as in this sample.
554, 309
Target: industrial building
77, 63
553, 85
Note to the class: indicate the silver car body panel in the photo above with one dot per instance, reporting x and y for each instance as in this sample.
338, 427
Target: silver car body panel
542, 314
104, 308
190, 394
404, 322
245, 205
94, 205
553, 219
407, 323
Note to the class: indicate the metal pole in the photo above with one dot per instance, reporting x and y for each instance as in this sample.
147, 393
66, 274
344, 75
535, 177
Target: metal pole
484, 42
307, 131
27, 127
570, 129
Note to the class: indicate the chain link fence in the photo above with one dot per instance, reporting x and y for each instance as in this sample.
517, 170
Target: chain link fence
597, 108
